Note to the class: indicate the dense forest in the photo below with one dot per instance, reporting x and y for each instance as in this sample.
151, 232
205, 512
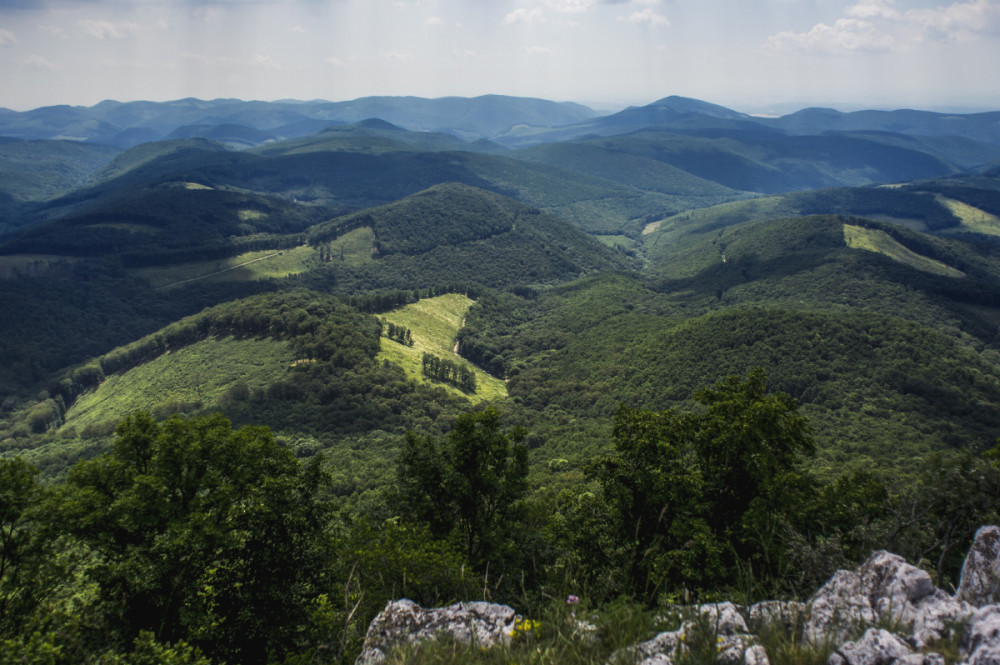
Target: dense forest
252, 389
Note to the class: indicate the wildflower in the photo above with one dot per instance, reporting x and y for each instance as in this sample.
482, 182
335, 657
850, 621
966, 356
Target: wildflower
524, 628
572, 599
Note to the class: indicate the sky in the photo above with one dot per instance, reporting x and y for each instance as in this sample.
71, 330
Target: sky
750, 55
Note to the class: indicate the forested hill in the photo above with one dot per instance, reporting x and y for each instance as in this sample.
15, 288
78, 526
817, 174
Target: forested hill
247, 395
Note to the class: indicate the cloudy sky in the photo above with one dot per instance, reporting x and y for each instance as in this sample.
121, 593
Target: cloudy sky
746, 54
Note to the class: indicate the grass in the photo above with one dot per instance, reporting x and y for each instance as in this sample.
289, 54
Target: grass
874, 240
973, 219
200, 373
624, 242
434, 323
355, 247
250, 266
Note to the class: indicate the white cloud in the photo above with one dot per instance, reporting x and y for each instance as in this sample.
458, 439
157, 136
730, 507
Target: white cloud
299, 29
466, 53
962, 21
396, 55
209, 60
434, 20
7, 37
538, 50
336, 62
571, 6
524, 15
873, 9
102, 29
267, 62
647, 16
844, 36
39, 62
876, 25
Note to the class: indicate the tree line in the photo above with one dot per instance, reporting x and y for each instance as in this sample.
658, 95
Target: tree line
448, 371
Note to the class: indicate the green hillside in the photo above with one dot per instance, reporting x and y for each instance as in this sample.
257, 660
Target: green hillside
302, 362
41, 170
172, 222
455, 233
434, 324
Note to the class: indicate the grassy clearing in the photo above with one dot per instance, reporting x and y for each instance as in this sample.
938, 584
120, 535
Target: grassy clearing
247, 215
973, 219
250, 266
874, 240
354, 247
29, 264
202, 372
623, 242
434, 323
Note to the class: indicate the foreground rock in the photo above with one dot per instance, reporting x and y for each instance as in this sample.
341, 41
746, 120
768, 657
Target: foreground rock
980, 582
887, 612
404, 622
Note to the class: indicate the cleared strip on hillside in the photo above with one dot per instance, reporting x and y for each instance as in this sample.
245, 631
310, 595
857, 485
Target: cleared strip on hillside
250, 266
434, 324
202, 372
873, 240
973, 219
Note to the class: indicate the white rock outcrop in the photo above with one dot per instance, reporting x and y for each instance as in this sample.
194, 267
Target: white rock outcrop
893, 605
980, 582
405, 622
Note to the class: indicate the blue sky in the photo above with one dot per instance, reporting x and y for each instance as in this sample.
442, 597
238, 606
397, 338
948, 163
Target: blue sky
747, 54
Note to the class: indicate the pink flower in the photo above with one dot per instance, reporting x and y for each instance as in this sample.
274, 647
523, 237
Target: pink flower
572, 599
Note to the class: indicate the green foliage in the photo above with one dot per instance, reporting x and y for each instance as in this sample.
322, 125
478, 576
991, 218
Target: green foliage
468, 486
205, 534
688, 492
447, 371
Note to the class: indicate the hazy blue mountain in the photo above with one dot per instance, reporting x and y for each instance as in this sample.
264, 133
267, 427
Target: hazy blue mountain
978, 126
129, 123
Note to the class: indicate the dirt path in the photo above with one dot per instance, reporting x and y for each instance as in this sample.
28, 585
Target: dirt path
217, 272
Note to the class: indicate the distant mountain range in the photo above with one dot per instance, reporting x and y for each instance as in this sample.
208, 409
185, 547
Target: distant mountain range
250, 123
512, 121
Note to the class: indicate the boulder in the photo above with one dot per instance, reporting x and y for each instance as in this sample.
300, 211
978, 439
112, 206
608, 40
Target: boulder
876, 647
721, 622
980, 581
893, 586
935, 616
405, 622
784, 613
981, 642
837, 609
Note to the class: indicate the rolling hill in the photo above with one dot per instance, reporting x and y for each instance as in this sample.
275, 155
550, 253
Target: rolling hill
727, 243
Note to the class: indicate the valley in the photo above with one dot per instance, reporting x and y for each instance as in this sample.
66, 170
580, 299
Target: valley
781, 335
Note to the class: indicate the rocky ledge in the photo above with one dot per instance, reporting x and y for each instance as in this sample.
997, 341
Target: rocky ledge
890, 607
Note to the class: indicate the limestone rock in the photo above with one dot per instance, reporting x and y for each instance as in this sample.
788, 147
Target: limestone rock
723, 618
935, 615
725, 626
405, 622
893, 586
980, 582
876, 647
921, 659
981, 642
657, 651
756, 655
837, 609
785, 613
